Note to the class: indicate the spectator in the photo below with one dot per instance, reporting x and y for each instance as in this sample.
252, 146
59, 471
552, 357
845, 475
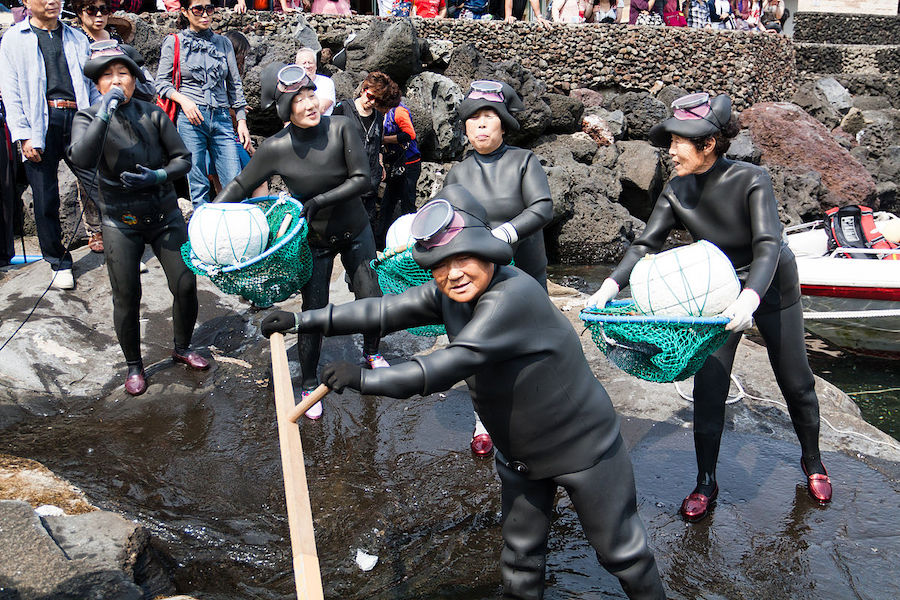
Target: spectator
403, 164
514, 10
210, 86
41, 97
698, 15
331, 7
306, 58
754, 20
723, 17
605, 16
430, 9
472, 9
10, 199
376, 95
646, 12
772, 11
741, 11
92, 19
569, 11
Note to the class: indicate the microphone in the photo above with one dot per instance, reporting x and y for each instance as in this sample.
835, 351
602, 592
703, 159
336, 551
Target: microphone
113, 105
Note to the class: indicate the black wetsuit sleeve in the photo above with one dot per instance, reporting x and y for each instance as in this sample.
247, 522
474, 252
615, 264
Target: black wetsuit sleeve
765, 227
660, 223
87, 140
357, 181
536, 196
262, 165
179, 163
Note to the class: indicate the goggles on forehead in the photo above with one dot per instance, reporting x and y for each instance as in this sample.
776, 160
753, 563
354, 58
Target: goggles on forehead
438, 222
106, 48
486, 90
692, 106
292, 78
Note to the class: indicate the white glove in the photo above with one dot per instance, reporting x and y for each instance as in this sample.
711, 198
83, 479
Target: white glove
607, 292
741, 311
506, 233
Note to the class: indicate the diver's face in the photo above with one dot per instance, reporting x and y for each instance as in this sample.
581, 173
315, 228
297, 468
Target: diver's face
119, 75
305, 109
484, 130
462, 277
687, 159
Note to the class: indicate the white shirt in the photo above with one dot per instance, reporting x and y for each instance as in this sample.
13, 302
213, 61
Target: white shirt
325, 91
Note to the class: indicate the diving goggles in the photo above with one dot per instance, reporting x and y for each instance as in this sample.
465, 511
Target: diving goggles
106, 48
486, 90
292, 78
691, 107
438, 222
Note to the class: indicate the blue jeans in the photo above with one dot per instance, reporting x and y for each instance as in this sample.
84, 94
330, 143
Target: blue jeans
213, 137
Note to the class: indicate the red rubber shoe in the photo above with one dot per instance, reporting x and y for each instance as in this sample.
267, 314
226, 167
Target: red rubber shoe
818, 485
696, 506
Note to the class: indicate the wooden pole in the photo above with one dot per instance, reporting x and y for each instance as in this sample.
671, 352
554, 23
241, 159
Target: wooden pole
303, 541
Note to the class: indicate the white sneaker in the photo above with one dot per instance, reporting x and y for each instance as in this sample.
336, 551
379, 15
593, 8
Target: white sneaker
315, 411
63, 280
376, 361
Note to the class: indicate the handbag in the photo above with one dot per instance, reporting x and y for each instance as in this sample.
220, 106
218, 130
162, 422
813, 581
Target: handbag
169, 106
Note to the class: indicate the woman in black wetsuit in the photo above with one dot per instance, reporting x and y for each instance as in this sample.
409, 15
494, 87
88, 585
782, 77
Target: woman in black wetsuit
322, 162
508, 181
138, 153
732, 205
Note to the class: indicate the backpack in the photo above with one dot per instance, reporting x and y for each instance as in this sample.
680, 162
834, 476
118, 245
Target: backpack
854, 227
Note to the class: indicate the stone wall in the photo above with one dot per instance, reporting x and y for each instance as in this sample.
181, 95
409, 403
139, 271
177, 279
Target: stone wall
827, 28
751, 68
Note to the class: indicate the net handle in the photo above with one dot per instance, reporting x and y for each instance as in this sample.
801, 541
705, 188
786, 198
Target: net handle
589, 316
278, 246
380, 257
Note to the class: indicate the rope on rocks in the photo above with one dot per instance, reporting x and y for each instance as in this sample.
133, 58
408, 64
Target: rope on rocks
743, 393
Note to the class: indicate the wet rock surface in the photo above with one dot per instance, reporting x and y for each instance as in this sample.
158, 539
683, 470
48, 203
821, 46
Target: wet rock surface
195, 461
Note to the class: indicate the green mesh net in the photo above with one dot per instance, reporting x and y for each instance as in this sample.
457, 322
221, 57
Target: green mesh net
275, 274
397, 272
660, 349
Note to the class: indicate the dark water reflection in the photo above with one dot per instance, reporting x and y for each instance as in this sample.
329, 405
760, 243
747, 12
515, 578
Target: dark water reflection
396, 478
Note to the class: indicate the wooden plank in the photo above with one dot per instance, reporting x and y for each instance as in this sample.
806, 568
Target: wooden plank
303, 543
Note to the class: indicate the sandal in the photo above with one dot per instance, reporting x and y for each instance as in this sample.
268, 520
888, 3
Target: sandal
95, 242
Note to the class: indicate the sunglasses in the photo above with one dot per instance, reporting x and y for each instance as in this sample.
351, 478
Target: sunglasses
97, 10
692, 107
292, 78
486, 90
198, 11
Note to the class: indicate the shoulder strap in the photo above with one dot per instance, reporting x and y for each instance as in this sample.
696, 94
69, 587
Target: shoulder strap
176, 63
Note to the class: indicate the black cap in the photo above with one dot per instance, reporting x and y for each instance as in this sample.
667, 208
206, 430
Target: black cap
474, 237
101, 59
269, 93
511, 103
661, 134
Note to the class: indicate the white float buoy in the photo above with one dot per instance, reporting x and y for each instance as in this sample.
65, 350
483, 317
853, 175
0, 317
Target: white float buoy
398, 233
228, 234
696, 280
